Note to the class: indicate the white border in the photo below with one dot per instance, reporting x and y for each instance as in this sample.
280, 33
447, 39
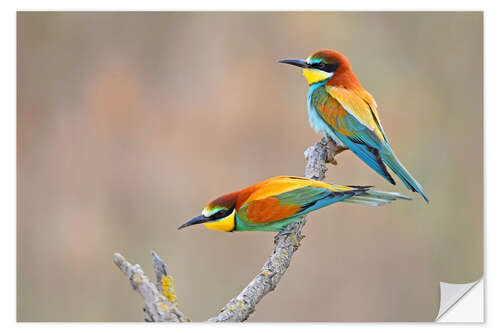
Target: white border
8, 149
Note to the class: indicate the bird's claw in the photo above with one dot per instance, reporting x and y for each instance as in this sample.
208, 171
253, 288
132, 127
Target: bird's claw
332, 150
292, 235
282, 233
276, 237
331, 158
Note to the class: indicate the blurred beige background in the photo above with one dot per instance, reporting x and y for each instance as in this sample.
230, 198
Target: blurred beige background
129, 123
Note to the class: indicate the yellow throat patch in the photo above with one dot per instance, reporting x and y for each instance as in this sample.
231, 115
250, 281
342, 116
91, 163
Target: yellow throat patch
315, 75
225, 224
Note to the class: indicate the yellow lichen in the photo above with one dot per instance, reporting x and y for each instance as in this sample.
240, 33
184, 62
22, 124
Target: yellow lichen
164, 306
297, 244
167, 286
285, 252
137, 278
265, 272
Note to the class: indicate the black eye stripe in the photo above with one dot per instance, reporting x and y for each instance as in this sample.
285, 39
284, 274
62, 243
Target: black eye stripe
219, 214
330, 68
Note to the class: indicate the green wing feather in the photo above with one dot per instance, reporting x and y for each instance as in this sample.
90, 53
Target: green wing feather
290, 206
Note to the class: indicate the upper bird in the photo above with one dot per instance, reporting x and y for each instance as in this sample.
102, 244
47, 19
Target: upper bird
274, 203
342, 109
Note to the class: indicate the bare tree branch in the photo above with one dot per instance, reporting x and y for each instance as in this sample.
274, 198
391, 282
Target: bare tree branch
158, 306
160, 299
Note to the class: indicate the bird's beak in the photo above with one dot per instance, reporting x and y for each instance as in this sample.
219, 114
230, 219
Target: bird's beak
195, 220
295, 62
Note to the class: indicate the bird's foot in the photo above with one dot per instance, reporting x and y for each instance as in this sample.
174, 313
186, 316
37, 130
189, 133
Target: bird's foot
282, 233
331, 158
291, 234
333, 150
277, 236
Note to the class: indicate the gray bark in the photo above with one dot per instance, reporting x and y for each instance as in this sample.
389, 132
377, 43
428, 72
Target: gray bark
159, 308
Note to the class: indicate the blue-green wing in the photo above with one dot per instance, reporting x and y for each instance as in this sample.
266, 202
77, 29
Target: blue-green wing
291, 204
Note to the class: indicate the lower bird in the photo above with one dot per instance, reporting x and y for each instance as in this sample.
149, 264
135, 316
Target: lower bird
273, 204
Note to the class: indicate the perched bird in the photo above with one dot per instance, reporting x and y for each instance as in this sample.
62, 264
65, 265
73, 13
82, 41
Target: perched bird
339, 107
274, 203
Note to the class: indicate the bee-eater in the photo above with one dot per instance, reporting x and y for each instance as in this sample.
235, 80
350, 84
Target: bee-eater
342, 109
274, 203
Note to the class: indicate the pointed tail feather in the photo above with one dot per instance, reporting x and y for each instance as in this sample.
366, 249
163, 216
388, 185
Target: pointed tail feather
395, 165
375, 198
370, 156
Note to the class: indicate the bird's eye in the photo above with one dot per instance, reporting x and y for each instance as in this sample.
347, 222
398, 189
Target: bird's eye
321, 65
219, 214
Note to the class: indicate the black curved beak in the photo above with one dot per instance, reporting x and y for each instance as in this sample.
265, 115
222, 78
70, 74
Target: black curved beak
295, 62
195, 220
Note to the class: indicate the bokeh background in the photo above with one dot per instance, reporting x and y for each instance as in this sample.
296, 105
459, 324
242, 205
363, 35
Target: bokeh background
129, 123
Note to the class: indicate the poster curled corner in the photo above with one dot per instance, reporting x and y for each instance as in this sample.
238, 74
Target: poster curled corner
452, 293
